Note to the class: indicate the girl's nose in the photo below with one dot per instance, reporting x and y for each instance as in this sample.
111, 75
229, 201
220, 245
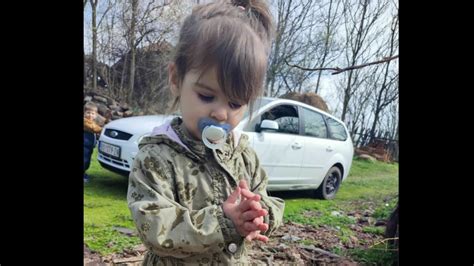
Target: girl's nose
219, 113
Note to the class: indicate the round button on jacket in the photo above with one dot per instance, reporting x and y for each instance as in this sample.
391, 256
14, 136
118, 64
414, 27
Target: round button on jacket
232, 247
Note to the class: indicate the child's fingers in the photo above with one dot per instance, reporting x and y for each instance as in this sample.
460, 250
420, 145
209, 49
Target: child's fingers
262, 238
252, 214
243, 184
257, 236
258, 220
263, 227
245, 205
249, 226
255, 205
250, 195
252, 235
234, 196
246, 191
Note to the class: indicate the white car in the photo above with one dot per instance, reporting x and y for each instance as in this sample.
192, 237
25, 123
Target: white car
299, 146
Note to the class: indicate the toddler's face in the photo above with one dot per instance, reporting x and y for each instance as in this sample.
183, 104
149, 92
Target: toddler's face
90, 114
203, 97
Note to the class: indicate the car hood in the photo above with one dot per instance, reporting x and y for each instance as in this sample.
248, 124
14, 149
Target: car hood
139, 124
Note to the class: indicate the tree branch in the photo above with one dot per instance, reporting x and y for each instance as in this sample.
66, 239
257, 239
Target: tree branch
338, 70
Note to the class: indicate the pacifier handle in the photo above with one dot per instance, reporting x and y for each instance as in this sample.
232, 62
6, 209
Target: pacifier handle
211, 130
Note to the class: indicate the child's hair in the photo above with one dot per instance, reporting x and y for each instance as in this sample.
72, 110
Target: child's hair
90, 106
235, 38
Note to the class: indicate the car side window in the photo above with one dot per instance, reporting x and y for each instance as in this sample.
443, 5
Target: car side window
286, 116
314, 124
336, 129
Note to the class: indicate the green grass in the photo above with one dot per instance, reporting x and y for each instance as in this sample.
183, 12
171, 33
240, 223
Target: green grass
374, 230
105, 207
369, 185
369, 180
384, 211
377, 255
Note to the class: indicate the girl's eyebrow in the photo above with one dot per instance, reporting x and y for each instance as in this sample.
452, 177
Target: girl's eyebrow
204, 86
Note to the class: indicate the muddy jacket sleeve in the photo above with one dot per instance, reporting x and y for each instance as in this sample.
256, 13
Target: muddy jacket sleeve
162, 223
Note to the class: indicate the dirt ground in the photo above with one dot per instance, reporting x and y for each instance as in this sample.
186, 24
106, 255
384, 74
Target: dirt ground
285, 247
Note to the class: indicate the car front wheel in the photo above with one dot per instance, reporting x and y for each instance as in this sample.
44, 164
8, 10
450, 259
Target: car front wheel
330, 185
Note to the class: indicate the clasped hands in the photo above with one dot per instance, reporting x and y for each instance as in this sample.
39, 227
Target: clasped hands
244, 209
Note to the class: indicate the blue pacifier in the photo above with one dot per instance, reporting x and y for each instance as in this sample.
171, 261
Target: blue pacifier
213, 134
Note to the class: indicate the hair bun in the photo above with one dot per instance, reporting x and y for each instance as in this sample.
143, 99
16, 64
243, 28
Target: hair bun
260, 17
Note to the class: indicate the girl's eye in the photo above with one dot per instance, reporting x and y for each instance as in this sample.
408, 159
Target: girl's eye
235, 105
205, 98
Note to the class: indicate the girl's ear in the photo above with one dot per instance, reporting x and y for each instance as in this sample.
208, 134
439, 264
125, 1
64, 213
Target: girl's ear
173, 79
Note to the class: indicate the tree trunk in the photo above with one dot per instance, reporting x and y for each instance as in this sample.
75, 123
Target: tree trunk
84, 54
326, 46
133, 51
376, 119
122, 79
347, 96
94, 43
382, 99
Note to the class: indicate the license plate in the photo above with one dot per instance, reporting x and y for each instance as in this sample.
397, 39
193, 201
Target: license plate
109, 149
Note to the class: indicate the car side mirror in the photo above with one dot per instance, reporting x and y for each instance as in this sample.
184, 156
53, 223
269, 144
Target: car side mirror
268, 125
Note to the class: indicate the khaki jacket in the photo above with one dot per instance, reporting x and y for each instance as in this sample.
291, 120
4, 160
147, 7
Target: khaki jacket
175, 194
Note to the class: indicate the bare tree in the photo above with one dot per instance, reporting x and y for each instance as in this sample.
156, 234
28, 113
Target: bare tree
359, 23
389, 120
306, 36
337, 70
293, 23
387, 92
107, 44
359, 106
359, 114
363, 101
133, 49
364, 76
95, 25
130, 55
148, 24
332, 19
94, 43
84, 52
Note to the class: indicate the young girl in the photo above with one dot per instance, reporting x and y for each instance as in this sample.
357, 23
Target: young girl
191, 203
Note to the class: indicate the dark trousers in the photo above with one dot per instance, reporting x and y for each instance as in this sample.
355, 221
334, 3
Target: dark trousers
89, 144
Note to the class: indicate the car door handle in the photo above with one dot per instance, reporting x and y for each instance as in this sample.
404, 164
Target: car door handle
329, 149
296, 146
